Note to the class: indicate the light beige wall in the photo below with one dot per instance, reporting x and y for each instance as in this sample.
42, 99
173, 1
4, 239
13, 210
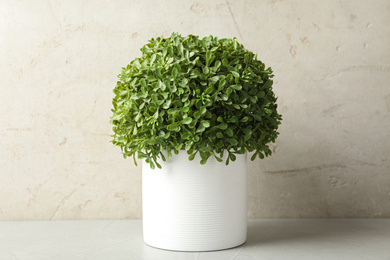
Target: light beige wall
58, 66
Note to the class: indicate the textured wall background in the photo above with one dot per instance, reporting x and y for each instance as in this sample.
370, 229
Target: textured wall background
58, 65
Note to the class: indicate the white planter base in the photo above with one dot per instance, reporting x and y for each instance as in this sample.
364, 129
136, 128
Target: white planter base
193, 207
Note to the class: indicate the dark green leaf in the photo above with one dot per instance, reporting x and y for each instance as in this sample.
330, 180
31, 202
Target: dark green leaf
222, 126
232, 141
229, 132
257, 117
191, 157
206, 149
253, 157
204, 160
219, 135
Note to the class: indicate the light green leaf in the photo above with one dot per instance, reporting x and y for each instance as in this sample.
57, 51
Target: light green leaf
187, 120
205, 123
214, 79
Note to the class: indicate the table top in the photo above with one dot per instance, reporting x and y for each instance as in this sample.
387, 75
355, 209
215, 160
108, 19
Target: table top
267, 239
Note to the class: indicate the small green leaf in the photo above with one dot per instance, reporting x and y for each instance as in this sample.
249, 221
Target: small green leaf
217, 64
229, 131
174, 128
219, 135
172, 111
244, 119
208, 57
232, 141
155, 116
188, 146
227, 161
186, 120
222, 126
158, 73
155, 99
247, 131
184, 82
192, 157
158, 165
202, 110
253, 157
173, 88
152, 59
261, 155
180, 47
214, 79
222, 84
257, 117
206, 149
232, 157
178, 147
235, 74
218, 158
200, 129
174, 73
167, 104
143, 83
205, 123
229, 91
161, 85
152, 166
197, 114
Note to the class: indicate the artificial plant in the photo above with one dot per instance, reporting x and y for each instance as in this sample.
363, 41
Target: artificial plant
209, 96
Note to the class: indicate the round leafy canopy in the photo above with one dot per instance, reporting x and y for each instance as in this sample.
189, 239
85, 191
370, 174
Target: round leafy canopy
209, 96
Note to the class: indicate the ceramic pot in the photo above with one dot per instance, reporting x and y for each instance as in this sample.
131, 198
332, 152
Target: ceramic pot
192, 207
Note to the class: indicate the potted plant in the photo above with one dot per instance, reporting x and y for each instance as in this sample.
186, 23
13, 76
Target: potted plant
191, 109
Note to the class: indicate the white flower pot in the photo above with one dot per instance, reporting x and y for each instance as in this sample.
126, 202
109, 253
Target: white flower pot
192, 207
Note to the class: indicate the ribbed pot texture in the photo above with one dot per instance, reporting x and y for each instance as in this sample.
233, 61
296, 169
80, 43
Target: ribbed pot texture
192, 207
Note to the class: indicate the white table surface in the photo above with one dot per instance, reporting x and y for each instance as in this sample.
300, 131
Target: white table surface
267, 239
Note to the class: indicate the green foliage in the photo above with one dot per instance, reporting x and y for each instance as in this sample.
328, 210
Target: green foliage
207, 96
